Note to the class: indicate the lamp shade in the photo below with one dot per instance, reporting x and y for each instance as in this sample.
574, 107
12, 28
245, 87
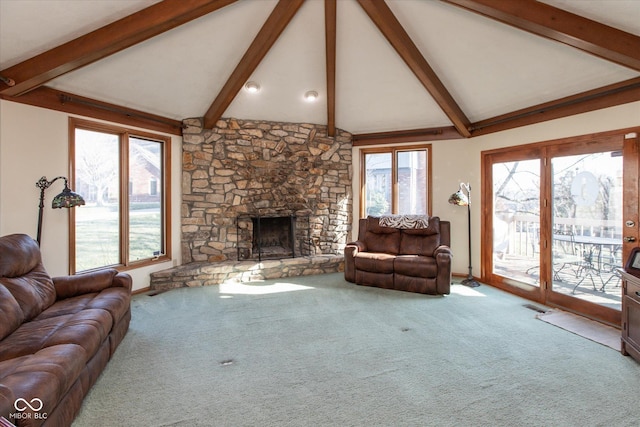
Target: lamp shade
67, 199
459, 198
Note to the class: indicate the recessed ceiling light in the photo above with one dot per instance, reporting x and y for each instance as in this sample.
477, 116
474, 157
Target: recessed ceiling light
252, 87
311, 96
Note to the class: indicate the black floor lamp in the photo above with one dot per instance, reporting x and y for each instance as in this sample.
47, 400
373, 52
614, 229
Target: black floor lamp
66, 199
460, 199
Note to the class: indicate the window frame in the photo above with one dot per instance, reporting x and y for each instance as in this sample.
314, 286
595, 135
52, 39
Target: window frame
123, 232
394, 150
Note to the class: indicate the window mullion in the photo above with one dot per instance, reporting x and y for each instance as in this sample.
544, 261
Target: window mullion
165, 186
124, 199
394, 181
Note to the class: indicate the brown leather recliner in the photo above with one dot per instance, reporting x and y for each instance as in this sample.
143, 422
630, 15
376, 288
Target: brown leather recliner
56, 334
413, 260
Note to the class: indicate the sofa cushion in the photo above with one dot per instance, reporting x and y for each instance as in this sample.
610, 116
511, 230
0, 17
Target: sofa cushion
46, 375
421, 241
87, 329
381, 239
416, 266
115, 301
374, 262
34, 292
20, 255
10, 313
22, 273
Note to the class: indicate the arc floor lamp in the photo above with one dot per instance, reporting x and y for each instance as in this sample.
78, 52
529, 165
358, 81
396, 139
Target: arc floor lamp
66, 199
460, 199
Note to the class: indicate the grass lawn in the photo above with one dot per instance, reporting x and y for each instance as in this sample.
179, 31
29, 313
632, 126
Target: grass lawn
97, 242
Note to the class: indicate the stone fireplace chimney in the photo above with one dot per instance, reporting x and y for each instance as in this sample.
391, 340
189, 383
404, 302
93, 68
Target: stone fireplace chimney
246, 169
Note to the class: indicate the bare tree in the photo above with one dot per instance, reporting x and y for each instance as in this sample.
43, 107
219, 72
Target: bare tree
97, 162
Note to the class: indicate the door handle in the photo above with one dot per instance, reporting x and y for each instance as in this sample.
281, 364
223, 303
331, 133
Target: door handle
629, 239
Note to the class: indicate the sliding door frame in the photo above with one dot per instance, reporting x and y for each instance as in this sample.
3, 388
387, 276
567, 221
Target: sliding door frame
545, 151
489, 158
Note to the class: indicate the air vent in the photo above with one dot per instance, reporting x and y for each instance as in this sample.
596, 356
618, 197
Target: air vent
535, 308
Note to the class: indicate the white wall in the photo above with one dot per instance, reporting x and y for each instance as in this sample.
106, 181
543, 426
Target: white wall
34, 142
457, 161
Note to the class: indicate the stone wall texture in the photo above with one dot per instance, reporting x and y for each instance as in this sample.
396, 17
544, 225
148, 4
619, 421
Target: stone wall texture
259, 168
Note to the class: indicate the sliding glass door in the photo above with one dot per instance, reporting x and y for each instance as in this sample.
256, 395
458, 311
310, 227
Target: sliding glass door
560, 217
586, 237
516, 220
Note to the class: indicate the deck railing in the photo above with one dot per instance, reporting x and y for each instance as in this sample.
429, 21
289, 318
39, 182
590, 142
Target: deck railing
524, 232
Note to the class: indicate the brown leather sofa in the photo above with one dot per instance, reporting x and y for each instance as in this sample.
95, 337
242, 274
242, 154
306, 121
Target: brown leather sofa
411, 259
56, 334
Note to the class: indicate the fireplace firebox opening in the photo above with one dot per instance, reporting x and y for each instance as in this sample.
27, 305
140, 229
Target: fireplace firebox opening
273, 237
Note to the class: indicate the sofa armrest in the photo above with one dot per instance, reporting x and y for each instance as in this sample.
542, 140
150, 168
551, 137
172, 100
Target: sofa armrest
358, 246
350, 251
94, 281
442, 249
443, 256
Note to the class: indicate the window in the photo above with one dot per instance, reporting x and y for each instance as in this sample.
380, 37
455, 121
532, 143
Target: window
153, 187
123, 176
395, 181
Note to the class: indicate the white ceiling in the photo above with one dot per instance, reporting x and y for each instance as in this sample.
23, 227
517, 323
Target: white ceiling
488, 67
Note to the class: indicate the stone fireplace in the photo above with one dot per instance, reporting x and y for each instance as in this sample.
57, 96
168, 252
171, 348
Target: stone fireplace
244, 175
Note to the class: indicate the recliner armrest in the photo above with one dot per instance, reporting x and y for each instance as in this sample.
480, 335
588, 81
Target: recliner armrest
358, 246
90, 282
442, 249
350, 251
443, 256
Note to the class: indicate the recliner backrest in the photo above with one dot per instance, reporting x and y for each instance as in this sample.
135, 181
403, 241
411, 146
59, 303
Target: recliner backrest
421, 241
24, 277
381, 239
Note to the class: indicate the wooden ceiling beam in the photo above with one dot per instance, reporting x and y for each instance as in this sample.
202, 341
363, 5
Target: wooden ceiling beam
556, 24
275, 24
330, 46
46, 97
604, 97
391, 28
105, 41
403, 136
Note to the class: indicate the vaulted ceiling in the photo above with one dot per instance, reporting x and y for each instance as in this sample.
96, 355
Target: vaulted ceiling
422, 69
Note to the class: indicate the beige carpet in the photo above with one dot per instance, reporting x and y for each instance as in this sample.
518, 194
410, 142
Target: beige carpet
587, 328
